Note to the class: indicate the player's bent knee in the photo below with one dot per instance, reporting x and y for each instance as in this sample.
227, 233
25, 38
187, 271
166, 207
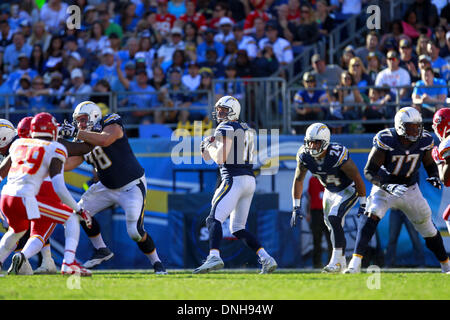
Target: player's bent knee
426, 229
133, 231
236, 227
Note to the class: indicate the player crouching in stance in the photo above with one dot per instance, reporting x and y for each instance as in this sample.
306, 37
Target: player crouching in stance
393, 169
331, 163
31, 161
234, 195
441, 154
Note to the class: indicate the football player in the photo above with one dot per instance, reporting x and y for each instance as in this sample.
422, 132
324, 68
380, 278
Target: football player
29, 163
344, 186
121, 179
393, 169
441, 154
232, 148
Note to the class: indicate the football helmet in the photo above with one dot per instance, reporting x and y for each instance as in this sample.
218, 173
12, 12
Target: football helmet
441, 123
24, 126
90, 109
403, 117
317, 132
44, 125
233, 106
7, 133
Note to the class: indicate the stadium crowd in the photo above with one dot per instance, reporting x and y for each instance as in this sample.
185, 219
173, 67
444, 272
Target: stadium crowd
166, 53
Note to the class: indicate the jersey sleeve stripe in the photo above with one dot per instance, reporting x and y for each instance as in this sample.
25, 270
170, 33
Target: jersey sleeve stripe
112, 117
61, 152
343, 156
382, 145
225, 127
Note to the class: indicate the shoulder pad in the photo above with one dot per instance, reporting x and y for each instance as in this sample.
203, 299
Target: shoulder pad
111, 118
383, 140
223, 128
444, 148
426, 141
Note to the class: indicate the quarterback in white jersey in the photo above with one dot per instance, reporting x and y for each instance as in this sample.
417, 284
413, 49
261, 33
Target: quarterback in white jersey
441, 154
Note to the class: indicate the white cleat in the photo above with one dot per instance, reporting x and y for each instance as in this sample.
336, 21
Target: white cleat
75, 268
445, 267
268, 265
336, 267
47, 267
20, 265
211, 263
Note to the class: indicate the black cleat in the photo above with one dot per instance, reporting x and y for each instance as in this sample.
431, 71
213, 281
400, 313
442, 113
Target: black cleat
99, 256
17, 261
159, 268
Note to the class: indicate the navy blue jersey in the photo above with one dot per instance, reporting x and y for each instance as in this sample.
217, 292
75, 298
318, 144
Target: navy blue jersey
240, 158
328, 169
401, 164
116, 165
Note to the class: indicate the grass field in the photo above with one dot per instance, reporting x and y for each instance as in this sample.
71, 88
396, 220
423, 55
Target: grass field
286, 284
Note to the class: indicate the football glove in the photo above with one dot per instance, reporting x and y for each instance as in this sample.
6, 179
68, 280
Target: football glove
68, 130
206, 142
86, 217
361, 209
395, 189
435, 182
436, 156
296, 213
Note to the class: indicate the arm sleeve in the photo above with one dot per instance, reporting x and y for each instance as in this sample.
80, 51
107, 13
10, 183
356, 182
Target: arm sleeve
63, 193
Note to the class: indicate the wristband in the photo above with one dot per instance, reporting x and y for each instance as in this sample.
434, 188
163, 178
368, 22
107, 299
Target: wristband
296, 203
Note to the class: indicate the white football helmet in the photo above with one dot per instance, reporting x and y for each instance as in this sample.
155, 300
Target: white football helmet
233, 106
317, 132
7, 132
89, 108
404, 116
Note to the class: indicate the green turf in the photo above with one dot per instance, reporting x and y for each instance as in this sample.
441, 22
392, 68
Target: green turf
229, 285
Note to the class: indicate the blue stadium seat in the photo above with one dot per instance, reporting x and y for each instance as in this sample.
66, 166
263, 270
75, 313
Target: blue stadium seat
154, 131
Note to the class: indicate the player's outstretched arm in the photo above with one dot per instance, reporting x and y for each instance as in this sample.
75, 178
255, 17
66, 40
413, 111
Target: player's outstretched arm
108, 136
57, 176
73, 162
76, 148
4, 167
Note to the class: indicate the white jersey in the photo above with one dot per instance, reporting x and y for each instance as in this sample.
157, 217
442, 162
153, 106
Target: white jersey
30, 162
444, 148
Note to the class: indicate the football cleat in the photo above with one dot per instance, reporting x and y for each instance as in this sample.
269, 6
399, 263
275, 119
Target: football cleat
159, 268
211, 263
336, 267
268, 265
20, 265
47, 267
99, 256
445, 267
75, 268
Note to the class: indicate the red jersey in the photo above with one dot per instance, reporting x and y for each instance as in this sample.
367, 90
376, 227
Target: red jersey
198, 18
249, 21
165, 22
315, 191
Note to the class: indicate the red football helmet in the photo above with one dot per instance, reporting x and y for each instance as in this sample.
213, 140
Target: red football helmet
44, 125
441, 123
24, 126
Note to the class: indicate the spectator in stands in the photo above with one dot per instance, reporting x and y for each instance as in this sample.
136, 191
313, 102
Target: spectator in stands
71, 48
347, 8
40, 36
177, 8
257, 12
55, 49
165, 52
201, 98
425, 62
394, 76
311, 94
127, 18
5, 88
130, 51
97, 40
24, 68
421, 47
176, 95
209, 43
109, 26
371, 46
90, 15
102, 86
159, 78
447, 47
429, 99
232, 86
37, 59
146, 49
39, 102
359, 75
324, 20
326, 75
408, 61
191, 36
225, 30
445, 15
192, 16
56, 90
164, 20
281, 46
347, 55
426, 13
13, 51
213, 63
21, 101
204, 7
307, 31
106, 70
54, 14
438, 62
266, 63
395, 35
230, 53
192, 79
178, 60
114, 42
375, 110
220, 10
78, 87
6, 34
259, 29
245, 42
348, 97
441, 41
244, 65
